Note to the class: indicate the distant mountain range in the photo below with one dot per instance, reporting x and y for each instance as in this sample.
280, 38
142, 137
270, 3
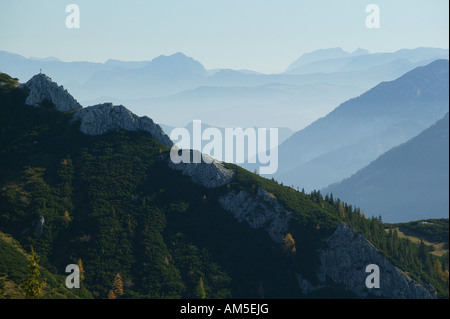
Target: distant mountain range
321, 55
406, 183
338, 60
296, 106
311, 88
363, 128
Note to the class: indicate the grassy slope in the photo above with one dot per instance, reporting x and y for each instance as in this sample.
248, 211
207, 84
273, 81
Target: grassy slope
433, 232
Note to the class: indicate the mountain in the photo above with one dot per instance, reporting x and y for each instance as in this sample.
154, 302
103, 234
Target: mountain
323, 54
363, 128
363, 70
224, 97
337, 60
409, 182
296, 106
96, 186
163, 75
70, 74
175, 65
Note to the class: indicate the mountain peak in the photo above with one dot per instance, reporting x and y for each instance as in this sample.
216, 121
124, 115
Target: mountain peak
210, 173
95, 120
178, 56
176, 64
102, 118
360, 51
319, 55
41, 87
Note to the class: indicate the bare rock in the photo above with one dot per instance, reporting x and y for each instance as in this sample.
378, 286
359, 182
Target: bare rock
42, 88
260, 211
345, 260
209, 174
101, 118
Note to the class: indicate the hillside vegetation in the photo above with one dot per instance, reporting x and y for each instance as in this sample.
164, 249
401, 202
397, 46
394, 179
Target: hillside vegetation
112, 203
433, 232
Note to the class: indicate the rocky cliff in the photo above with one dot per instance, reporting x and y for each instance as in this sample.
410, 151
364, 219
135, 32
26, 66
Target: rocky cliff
209, 174
260, 211
101, 118
94, 120
42, 88
344, 261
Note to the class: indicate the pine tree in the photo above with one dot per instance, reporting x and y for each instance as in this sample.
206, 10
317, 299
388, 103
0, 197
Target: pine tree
32, 285
289, 244
118, 286
445, 275
112, 295
67, 217
342, 210
422, 253
437, 269
200, 292
395, 244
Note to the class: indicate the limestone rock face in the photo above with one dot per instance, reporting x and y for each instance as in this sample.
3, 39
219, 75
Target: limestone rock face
42, 88
260, 211
345, 260
101, 118
209, 174
95, 120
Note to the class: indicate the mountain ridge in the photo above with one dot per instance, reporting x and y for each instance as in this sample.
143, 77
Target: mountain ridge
418, 167
406, 105
112, 201
339, 60
95, 120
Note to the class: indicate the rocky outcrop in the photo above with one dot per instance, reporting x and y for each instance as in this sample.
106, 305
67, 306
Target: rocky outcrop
209, 174
102, 118
94, 120
260, 211
42, 88
345, 259
40, 226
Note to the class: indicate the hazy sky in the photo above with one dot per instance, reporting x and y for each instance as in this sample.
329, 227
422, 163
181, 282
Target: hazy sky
262, 35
